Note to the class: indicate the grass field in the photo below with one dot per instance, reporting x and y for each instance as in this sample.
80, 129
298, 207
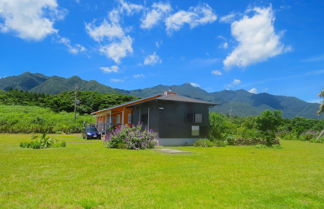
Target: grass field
87, 175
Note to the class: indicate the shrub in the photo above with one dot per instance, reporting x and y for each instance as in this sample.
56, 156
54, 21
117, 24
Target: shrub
230, 140
219, 143
238, 140
203, 143
287, 136
131, 138
268, 123
42, 142
317, 140
219, 126
307, 136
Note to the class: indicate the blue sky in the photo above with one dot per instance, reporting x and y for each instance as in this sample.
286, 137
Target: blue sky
261, 46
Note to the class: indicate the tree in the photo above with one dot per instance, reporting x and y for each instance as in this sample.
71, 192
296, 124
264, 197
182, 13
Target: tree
219, 126
268, 123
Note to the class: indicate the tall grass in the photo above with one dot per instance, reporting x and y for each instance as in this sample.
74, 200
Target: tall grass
31, 119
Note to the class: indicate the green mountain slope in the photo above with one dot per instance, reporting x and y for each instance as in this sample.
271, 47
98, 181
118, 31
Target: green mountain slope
55, 84
238, 102
39, 83
25, 81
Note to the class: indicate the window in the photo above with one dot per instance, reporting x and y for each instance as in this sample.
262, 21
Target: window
198, 118
195, 130
144, 119
118, 119
129, 121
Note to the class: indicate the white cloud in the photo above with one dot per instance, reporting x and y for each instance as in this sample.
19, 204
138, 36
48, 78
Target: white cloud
116, 80
195, 16
158, 44
112, 69
194, 84
115, 44
216, 72
224, 45
118, 49
29, 19
314, 59
129, 8
228, 18
317, 101
257, 39
153, 16
138, 76
76, 49
152, 59
253, 91
235, 82
105, 30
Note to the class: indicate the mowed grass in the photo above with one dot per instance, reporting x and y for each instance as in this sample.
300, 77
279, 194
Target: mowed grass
85, 174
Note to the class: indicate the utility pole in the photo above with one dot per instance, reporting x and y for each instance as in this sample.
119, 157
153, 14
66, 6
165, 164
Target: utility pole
76, 102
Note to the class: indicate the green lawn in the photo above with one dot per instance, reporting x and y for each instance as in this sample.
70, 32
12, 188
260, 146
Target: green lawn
85, 173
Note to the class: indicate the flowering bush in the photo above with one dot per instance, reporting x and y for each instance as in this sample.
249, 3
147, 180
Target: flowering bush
131, 138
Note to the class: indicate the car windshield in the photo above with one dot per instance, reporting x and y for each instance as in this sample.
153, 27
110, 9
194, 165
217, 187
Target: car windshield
91, 129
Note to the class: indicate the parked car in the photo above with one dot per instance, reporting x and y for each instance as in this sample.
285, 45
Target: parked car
91, 132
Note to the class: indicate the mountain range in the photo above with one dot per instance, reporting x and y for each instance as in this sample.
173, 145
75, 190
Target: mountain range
232, 102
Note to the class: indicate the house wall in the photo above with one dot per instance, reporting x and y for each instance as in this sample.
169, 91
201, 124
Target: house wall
176, 120
146, 109
170, 119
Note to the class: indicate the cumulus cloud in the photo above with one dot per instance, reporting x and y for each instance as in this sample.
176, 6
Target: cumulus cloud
118, 49
216, 72
105, 30
152, 59
115, 44
257, 39
223, 45
155, 14
138, 76
116, 80
30, 20
235, 82
112, 69
73, 49
228, 18
194, 84
195, 16
129, 8
253, 91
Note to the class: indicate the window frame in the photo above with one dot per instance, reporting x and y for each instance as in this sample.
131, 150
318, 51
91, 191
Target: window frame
195, 132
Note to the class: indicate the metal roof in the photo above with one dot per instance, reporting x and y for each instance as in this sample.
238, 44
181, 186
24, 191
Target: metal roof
127, 103
165, 97
178, 98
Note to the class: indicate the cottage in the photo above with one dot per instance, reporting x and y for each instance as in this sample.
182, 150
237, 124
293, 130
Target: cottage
178, 120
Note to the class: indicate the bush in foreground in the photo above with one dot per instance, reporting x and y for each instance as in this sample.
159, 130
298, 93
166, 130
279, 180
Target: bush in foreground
203, 143
42, 142
132, 138
209, 143
238, 140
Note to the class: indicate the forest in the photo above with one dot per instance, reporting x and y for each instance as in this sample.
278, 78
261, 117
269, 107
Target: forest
87, 101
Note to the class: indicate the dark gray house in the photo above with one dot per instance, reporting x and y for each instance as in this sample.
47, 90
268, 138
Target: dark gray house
178, 120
